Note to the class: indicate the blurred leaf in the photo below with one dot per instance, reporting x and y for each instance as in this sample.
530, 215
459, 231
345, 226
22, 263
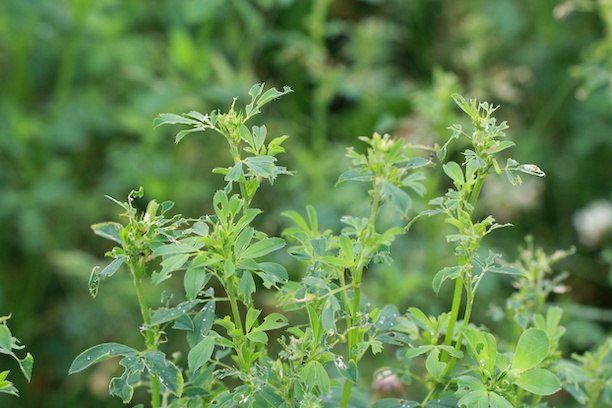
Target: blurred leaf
531, 350
538, 381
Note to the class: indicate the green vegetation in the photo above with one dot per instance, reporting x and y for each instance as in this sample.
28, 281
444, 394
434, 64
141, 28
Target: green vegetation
81, 82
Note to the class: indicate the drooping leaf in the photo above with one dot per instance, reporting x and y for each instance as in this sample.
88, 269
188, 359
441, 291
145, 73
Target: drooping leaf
449, 272
171, 119
169, 375
99, 353
26, 364
111, 268
108, 230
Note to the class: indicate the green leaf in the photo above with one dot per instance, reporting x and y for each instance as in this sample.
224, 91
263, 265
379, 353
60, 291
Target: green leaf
413, 352
314, 374
200, 354
177, 248
271, 94
263, 247
271, 273
251, 318
123, 387
348, 371
507, 270
181, 134
246, 287
273, 321
483, 347
531, 350
433, 364
259, 136
6, 339
99, 353
26, 365
538, 381
262, 166
258, 336
421, 319
202, 323
169, 375
497, 401
194, 280
450, 272
453, 170
394, 403
111, 268
171, 119
501, 145
164, 315
108, 230
169, 265
398, 197
235, 172
242, 241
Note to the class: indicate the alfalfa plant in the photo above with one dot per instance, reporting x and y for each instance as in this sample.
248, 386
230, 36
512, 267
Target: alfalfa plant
222, 256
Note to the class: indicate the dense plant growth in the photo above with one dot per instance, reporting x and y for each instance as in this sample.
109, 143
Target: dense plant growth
247, 355
81, 81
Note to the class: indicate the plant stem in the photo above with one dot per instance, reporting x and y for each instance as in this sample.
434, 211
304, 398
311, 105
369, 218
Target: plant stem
353, 322
137, 270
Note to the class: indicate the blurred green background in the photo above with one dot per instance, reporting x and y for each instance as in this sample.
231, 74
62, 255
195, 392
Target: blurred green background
82, 80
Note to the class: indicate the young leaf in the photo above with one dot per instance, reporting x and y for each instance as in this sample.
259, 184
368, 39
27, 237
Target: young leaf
453, 170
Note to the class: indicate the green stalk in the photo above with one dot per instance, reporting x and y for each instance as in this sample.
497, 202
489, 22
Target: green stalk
137, 270
458, 293
356, 304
